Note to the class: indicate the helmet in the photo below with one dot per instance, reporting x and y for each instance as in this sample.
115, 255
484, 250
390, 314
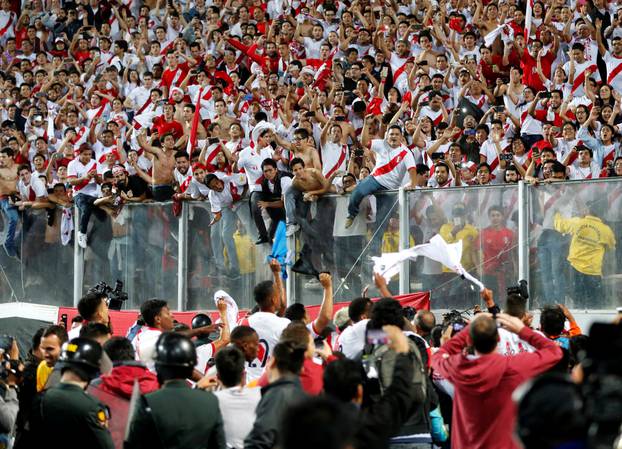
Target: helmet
201, 320
82, 355
175, 350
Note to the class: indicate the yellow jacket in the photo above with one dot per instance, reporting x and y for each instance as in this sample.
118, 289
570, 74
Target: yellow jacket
391, 242
467, 234
590, 239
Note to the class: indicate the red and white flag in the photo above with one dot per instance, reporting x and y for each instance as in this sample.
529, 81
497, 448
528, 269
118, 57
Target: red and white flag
192, 140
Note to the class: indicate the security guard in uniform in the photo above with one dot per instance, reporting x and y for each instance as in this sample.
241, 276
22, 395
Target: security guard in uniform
65, 416
176, 416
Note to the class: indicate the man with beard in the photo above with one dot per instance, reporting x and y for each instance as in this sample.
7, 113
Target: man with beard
133, 188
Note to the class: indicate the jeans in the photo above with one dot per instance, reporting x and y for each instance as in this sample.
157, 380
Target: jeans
552, 246
292, 196
85, 207
225, 229
10, 212
255, 197
162, 192
366, 187
588, 290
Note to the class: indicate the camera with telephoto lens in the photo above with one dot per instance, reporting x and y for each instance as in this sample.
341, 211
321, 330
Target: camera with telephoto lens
116, 296
456, 319
520, 289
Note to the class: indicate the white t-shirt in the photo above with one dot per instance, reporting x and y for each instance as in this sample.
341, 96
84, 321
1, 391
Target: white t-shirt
237, 406
145, 345
32, 191
204, 354
76, 169
231, 191
392, 164
269, 328
510, 344
139, 97
352, 339
197, 189
334, 158
250, 160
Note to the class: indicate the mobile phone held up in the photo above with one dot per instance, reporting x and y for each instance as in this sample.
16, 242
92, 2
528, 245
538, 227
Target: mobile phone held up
377, 337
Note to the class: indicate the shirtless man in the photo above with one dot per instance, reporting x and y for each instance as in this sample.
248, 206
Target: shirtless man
308, 184
301, 147
225, 121
163, 160
8, 186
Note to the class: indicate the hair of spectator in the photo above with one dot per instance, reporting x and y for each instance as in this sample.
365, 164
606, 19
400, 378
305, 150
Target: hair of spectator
8, 151
263, 293
268, 162
57, 330
358, 307
181, 154
241, 333
295, 312
230, 366
516, 305
94, 330
422, 169
89, 303
552, 321
150, 309
119, 349
484, 334
36, 339
387, 311
342, 379
425, 320
295, 161
296, 332
289, 357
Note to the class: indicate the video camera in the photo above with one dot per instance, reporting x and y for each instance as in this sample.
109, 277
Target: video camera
456, 319
116, 296
520, 289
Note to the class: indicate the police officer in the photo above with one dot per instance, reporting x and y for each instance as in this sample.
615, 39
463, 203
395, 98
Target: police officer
65, 416
201, 320
176, 416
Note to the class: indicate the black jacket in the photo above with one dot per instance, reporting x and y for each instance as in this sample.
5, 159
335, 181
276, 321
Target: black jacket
275, 399
177, 417
385, 418
277, 194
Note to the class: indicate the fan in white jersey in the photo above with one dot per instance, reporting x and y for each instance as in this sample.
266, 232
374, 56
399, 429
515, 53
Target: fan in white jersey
158, 318
270, 298
207, 351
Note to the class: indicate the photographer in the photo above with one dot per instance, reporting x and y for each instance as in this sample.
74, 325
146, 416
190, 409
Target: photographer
485, 383
380, 357
10, 375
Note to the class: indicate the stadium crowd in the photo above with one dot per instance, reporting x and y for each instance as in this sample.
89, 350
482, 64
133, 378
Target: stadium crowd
279, 103
366, 376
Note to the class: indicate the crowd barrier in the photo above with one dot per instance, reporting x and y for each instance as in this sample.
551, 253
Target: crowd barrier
182, 259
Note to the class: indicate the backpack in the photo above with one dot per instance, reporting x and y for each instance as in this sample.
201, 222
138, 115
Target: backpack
379, 363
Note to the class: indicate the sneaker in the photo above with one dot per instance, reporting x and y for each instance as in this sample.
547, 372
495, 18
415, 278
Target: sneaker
292, 229
262, 240
82, 240
313, 284
349, 222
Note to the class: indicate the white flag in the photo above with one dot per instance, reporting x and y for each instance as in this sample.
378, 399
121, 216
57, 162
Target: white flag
449, 254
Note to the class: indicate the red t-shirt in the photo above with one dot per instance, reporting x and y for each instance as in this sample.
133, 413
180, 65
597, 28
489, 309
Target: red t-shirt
495, 244
164, 127
488, 72
175, 77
